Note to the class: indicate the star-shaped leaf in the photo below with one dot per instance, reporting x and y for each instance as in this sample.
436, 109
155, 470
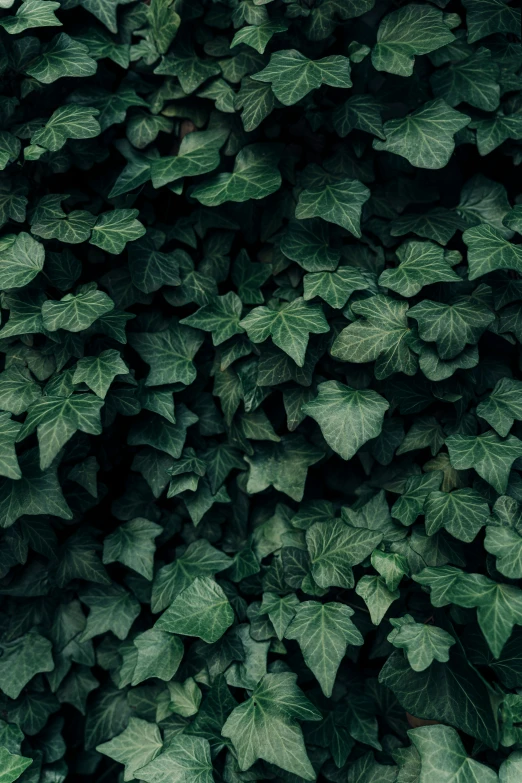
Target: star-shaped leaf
421, 263
221, 317
452, 326
423, 643
198, 154
282, 465
21, 258
338, 201
201, 609
462, 513
135, 747
76, 312
62, 56
169, 354
255, 176
491, 456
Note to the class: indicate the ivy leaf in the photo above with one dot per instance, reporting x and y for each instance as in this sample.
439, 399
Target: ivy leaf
506, 544
201, 609
489, 250
164, 23
74, 313
280, 609
324, 631
383, 335
421, 263
425, 137
112, 608
31, 13
169, 354
474, 80
159, 655
282, 465
265, 726
133, 545
423, 643
462, 513
56, 419
502, 406
114, 229
485, 17
13, 765
488, 454
292, 75
452, 326
255, 176
289, 327
62, 56
67, 122
198, 154
439, 224
37, 492
9, 430
184, 759
21, 660
494, 131
376, 595
221, 317
442, 754
135, 747
98, 372
335, 547
307, 243
151, 269
360, 112
336, 287
105, 11
414, 29
258, 36
256, 101
348, 418
21, 258
336, 201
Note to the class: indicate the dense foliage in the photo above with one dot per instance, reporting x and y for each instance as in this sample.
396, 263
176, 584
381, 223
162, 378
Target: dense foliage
261, 428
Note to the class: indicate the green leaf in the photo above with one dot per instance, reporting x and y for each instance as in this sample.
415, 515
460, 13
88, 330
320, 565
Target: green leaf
98, 372
452, 326
9, 430
21, 660
105, 11
62, 56
255, 176
18, 390
439, 224
376, 595
159, 655
280, 609
282, 465
442, 755
133, 545
169, 354
199, 559
307, 243
474, 80
37, 492
348, 418
74, 313
485, 17
185, 759
221, 317
114, 229
336, 287
383, 335
425, 137
56, 419
258, 35
414, 29
506, 544
335, 548
256, 101
502, 406
488, 250
292, 75
336, 201
67, 122
21, 258
12, 765
151, 269
31, 13
488, 454
201, 609
494, 131
360, 112
135, 747
324, 631
462, 513
198, 154
164, 23
422, 643
112, 608
265, 726
421, 263
289, 327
